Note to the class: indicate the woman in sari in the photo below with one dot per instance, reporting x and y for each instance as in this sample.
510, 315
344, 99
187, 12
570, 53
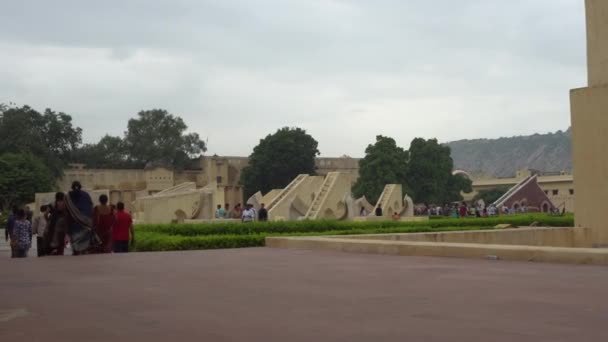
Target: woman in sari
103, 220
80, 229
58, 218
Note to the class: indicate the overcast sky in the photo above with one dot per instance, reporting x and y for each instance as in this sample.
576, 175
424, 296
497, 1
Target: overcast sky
343, 70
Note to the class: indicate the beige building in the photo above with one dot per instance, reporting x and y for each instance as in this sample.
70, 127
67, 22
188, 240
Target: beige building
559, 187
128, 185
344, 164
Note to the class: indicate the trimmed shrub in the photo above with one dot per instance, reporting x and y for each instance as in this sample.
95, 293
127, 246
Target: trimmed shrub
320, 226
147, 242
153, 241
179, 237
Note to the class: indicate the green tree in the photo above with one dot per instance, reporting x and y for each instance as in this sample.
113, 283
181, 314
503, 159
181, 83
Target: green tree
490, 196
49, 136
21, 176
457, 184
429, 174
109, 153
278, 159
156, 136
384, 163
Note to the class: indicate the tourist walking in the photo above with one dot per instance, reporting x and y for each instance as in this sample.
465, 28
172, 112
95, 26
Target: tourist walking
103, 220
122, 232
39, 228
254, 212
396, 217
220, 213
379, 211
248, 214
463, 211
21, 239
80, 229
363, 212
227, 211
29, 214
454, 212
54, 237
263, 214
8, 229
238, 211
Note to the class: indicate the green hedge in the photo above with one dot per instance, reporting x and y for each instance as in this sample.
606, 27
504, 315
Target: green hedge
320, 226
176, 237
153, 241
148, 242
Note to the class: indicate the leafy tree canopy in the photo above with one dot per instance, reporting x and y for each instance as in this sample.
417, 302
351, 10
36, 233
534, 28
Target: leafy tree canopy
278, 159
156, 136
21, 176
153, 137
424, 171
429, 173
49, 136
384, 163
108, 153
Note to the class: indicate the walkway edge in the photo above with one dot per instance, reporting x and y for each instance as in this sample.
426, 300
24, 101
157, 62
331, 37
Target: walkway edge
565, 255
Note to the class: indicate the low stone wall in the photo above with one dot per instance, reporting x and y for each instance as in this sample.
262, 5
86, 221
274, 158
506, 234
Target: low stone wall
595, 256
524, 244
555, 237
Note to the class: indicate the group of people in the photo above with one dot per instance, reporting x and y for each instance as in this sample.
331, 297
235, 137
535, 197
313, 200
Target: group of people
458, 210
379, 212
246, 214
465, 210
455, 211
71, 219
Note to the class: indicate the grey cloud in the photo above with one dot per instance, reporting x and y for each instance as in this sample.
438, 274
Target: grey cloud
433, 68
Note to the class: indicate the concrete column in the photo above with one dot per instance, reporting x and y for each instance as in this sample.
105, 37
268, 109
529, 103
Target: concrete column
597, 42
589, 109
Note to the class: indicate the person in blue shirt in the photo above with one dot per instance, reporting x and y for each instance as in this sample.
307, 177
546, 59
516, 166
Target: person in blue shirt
220, 212
21, 238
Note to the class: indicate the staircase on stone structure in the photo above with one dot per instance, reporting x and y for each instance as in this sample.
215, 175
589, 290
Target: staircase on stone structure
317, 203
286, 191
385, 196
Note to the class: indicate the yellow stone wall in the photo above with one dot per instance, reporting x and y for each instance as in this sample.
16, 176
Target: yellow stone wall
128, 185
597, 42
342, 164
158, 179
590, 138
103, 179
589, 108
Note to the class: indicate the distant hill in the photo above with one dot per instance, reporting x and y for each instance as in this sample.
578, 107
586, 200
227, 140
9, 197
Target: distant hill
504, 156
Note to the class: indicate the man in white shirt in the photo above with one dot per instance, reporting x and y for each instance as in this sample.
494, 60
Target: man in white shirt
254, 212
38, 229
248, 214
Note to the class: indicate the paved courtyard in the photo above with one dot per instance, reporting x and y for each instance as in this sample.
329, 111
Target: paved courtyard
262, 294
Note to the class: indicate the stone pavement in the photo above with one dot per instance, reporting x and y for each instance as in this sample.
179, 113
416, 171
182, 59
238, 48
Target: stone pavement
262, 294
